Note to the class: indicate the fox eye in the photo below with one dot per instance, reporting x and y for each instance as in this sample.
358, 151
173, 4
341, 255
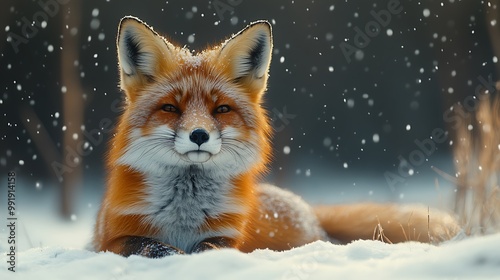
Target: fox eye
223, 109
170, 108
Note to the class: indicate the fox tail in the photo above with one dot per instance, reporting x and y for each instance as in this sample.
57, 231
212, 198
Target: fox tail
390, 223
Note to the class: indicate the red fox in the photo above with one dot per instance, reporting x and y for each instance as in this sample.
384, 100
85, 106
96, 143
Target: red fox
190, 148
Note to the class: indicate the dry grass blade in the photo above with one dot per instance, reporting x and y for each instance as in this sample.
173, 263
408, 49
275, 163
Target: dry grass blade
477, 163
428, 224
378, 233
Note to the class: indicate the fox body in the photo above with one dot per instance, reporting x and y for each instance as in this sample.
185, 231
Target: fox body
190, 148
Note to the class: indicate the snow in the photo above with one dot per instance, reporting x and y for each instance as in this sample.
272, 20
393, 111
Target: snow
53, 249
473, 258
50, 248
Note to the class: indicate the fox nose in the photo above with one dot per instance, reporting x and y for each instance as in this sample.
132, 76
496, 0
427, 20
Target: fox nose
199, 136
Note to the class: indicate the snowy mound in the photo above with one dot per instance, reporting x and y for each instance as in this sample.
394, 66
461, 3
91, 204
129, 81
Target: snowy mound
474, 258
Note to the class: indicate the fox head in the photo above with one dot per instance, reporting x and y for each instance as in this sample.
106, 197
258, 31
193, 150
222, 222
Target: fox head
193, 109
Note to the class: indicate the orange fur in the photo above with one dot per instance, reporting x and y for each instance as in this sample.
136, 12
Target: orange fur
386, 222
183, 100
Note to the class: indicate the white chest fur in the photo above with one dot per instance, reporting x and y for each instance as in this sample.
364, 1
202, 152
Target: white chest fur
180, 200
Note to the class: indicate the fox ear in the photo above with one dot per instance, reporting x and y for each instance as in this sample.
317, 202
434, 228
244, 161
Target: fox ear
142, 53
248, 55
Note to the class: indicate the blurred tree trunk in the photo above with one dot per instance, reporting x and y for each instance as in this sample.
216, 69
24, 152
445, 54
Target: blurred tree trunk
475, 152
73, 106
493, 25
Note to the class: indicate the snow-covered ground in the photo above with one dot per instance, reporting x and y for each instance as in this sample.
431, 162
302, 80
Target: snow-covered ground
474, 258
52, 249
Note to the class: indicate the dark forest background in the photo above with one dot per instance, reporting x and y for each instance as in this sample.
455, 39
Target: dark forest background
360, 115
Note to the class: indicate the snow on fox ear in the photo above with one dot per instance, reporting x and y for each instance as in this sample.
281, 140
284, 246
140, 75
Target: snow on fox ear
248, 54
142, 54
